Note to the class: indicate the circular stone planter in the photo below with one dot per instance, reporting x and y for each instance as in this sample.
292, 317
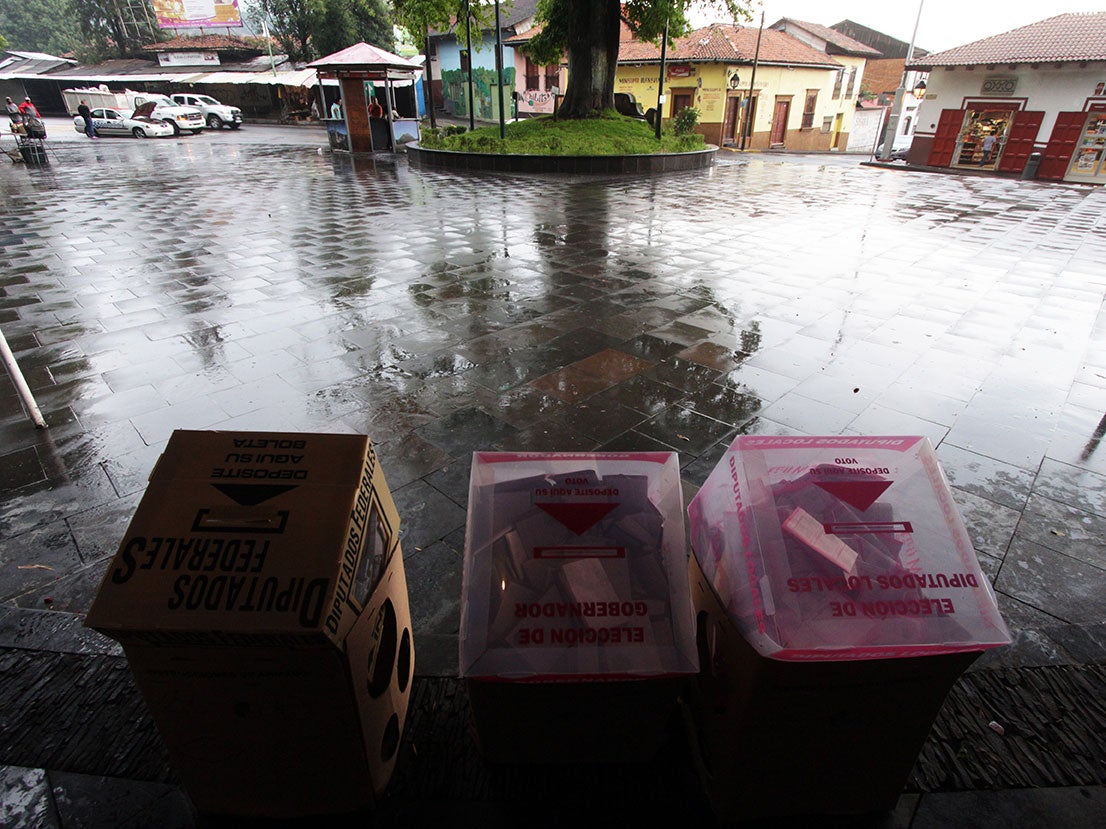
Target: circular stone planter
655, 163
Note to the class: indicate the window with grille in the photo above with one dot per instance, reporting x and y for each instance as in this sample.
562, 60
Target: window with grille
531, 75
552, 77
852, 83
837, 82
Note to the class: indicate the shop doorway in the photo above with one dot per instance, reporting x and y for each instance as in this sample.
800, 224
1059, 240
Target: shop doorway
982, 138
779, 120
729, 123
681, 100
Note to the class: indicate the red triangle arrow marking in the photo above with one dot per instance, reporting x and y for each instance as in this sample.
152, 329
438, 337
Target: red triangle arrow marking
578, 517
860, 494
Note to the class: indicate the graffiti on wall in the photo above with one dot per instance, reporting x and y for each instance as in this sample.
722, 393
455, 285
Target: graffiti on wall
536, 100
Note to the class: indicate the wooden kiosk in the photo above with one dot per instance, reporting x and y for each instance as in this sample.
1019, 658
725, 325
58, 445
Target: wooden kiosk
357, 130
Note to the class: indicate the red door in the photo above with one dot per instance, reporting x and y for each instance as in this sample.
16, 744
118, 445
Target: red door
1066, 133
779, 121
1020, 140
729, 123
944, 141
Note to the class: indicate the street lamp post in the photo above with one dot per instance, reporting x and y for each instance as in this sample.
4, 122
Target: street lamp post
896, 107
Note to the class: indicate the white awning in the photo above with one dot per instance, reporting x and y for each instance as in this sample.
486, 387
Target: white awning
223, 77
77, 79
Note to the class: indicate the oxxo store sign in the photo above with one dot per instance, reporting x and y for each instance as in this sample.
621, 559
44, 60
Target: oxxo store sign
999, 87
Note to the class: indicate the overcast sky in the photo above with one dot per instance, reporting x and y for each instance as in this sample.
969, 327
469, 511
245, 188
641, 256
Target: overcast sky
944, 23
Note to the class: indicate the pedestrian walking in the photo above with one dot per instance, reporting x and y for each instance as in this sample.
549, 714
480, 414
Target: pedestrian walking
86, 114
12, 108
989, 142
28, 109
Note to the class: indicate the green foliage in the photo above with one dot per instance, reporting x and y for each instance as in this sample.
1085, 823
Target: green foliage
607, 133
573, 21
547, 47
685, 121
104, 30
290, 21
418, 15
39, 26
308, 29
331, 26
445, 15
372, 23
646, 18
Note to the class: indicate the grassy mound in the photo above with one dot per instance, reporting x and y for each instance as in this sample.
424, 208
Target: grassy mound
606, 134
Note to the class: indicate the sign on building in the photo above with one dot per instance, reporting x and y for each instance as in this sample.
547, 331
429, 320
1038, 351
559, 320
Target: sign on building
188, 59
190, 14
996, 86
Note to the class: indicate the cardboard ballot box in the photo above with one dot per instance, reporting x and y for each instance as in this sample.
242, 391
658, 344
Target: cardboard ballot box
838, 598
576, 623
260, 598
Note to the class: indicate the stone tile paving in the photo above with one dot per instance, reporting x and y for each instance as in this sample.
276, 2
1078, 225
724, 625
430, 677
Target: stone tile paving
443, 313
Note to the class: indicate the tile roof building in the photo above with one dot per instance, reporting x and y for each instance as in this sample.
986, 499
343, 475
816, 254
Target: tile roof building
802, 95
1039, 88
726, 43
824, 38
1065, 38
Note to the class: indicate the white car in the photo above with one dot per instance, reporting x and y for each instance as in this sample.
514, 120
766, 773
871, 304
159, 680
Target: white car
107, 121
180, 118
216, 115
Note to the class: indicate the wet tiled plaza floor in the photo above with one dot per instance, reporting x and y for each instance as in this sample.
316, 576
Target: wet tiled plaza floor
148, 287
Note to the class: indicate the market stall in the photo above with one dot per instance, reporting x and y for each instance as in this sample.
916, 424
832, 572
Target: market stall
369, 119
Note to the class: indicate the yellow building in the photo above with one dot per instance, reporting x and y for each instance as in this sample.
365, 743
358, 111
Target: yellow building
801, 98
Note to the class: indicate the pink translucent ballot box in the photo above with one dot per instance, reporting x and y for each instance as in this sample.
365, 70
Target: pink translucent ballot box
576, 621
839, 598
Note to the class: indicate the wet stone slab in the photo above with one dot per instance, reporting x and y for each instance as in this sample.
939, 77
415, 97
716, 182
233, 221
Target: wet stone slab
358, 295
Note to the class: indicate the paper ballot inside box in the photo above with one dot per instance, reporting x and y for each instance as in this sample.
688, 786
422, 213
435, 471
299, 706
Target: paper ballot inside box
836, 548
575, 566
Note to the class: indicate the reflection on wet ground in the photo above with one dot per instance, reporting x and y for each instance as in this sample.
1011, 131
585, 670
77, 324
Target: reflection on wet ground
279, 288
202, 284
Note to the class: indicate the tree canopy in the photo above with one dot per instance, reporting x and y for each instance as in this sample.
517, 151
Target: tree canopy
39, 26
588, 32
308, 29
416, 16
106, 32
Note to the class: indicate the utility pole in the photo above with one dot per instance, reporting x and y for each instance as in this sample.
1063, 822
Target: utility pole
900, 93
747, 130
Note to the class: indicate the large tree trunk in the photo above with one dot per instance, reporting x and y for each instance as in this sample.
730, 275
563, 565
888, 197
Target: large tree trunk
593, 33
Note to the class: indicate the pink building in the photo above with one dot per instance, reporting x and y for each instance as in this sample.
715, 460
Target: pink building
536, 86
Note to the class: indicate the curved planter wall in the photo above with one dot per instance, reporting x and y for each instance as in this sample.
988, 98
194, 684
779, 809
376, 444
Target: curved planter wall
660, 163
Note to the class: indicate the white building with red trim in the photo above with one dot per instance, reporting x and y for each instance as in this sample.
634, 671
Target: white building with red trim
1041, 88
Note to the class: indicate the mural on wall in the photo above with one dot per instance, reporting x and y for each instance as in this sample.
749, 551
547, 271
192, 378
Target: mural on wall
484, 93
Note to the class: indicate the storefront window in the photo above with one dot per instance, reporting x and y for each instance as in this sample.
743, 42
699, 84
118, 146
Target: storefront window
1089, 160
